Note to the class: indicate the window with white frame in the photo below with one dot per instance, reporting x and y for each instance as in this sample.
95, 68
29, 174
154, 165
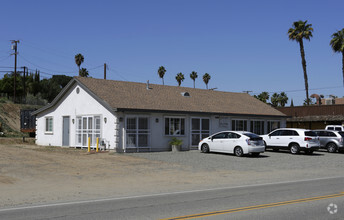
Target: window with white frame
239, 125
257, 127
87, 127
137, 132
49, 125
272, 125
174, 126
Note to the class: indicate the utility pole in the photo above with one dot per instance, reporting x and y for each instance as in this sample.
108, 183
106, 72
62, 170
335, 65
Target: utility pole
24, 83
14, 47
104, 70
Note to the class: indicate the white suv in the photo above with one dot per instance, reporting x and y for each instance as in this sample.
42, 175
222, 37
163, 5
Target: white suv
334, 127
292, 139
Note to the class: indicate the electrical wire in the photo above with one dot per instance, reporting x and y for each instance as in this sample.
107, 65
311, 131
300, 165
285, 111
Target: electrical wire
117, 73
70, 72
5, 58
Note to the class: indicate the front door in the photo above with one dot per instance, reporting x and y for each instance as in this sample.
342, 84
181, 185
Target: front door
65, 131
200, 129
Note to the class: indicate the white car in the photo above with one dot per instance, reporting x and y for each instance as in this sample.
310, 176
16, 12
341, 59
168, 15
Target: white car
234, 142
292, 139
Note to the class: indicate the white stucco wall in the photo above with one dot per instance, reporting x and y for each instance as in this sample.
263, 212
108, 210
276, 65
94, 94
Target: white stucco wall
75, 104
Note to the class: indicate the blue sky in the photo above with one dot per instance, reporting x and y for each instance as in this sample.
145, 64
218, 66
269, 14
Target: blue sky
243, 45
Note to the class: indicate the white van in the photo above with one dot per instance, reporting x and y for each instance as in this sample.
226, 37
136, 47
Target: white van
334, 127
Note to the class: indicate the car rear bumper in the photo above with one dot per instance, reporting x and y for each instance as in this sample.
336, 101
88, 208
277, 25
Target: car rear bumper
256, 149
309, 148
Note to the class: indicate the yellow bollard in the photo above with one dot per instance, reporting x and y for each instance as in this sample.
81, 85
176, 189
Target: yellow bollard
89, 144
97, 144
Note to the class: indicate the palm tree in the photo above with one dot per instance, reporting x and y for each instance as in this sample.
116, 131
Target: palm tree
83, 72
283, 99
161, 73
263, 96
180, 78
275, 99
301, 30
337, 44
79, 59
193, 76
206, 78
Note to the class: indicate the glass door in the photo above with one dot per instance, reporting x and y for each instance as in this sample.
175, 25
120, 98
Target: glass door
199, 129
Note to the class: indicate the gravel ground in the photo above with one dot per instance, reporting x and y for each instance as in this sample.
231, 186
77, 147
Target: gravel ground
269, 161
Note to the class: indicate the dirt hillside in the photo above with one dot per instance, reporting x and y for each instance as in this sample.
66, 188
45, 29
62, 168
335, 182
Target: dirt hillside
10, 118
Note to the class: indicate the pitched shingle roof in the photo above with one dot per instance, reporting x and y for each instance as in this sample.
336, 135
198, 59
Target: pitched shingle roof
123, 95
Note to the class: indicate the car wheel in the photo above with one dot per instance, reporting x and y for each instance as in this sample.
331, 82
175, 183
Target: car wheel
205, 148
255, 154
331, 148
238, 152
294, 149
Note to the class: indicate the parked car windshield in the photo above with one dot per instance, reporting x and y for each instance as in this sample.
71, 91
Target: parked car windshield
310, 133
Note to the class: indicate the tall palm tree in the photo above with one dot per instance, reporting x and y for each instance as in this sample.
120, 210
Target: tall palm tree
301, 30
206, 78
180, 78
193, 76
161, 73
79, 59
337, 44
83, 72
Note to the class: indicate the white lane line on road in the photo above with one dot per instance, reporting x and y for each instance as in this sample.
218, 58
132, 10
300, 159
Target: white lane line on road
161, 194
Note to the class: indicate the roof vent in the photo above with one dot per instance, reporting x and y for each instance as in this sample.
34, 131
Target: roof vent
186, 94
148, 85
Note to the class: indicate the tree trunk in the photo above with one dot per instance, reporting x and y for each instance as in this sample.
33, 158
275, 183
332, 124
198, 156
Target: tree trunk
194, 83
163, 81
304, 70
343, 65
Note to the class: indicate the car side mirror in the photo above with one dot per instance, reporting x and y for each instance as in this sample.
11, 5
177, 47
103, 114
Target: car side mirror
269, 136
211, 138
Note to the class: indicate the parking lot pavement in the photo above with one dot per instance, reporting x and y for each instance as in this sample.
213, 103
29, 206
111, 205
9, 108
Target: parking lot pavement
320, 163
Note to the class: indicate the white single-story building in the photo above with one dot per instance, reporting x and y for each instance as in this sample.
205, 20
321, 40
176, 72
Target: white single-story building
135, 117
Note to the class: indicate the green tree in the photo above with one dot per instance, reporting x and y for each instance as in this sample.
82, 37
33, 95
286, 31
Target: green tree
49, 89
299, 31
193, 76
337, 44
308, 102
83, 72
180, 78
79, 59
275, 98
161, 73
263, 96
206, 78
283, 99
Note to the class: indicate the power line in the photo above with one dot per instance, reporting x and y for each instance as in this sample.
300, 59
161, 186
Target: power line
70, 72
301, 90
5, 58
117, 73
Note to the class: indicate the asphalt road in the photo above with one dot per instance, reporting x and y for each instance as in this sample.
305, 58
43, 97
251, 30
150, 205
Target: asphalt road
308, 199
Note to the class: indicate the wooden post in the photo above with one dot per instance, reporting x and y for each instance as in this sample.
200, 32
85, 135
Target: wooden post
89, 144
97, 145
